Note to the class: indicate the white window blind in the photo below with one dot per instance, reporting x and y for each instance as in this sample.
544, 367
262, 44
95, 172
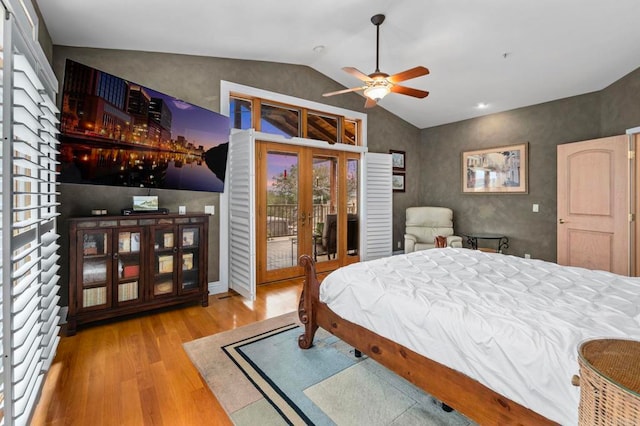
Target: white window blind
30, 311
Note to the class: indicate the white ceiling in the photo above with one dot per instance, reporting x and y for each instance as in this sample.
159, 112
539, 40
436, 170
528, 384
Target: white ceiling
554, 48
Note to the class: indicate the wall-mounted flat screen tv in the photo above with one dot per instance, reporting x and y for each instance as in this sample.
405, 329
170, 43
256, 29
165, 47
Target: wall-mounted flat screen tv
120, 133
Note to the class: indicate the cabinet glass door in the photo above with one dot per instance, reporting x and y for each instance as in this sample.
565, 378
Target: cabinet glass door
95, 269
165, 247
128, 272
190, 254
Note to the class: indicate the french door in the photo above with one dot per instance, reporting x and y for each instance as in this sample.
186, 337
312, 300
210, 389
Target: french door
306, 203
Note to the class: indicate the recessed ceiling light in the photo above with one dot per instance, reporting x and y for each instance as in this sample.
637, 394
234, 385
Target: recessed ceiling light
482, 105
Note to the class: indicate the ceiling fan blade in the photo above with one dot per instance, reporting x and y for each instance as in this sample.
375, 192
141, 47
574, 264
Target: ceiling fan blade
339, 92
370, 103
416, 93
357, 73
409, 91
408, 74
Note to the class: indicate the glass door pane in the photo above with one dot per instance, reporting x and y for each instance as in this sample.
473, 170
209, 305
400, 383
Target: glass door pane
240, 113
190, 251
279, 120
96, 262
325, 205
353, 211
322, 127
165, 246
128, 265
282, 213
351, 132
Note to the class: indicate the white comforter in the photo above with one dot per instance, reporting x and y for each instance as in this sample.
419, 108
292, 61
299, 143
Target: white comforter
513, 324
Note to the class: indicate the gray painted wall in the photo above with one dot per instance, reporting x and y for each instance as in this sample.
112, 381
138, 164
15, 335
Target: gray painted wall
433, 174
544, 126
620, 105
196, 79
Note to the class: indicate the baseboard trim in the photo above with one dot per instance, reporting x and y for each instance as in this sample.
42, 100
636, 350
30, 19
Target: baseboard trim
217, 287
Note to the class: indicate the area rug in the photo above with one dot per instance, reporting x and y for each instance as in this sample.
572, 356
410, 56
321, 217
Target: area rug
260, 376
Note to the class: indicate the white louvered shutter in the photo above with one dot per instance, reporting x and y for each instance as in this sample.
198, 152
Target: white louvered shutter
242, 245
378, 203
30, 311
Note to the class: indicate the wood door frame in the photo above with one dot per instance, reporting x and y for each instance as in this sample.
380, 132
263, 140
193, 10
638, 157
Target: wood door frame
262, 150
305, 154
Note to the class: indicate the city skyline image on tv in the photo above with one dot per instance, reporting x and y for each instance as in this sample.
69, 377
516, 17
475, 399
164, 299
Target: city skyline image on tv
116, 132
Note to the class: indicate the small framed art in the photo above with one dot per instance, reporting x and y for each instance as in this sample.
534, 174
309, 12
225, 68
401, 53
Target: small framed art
500, 170
397, 182
397, 160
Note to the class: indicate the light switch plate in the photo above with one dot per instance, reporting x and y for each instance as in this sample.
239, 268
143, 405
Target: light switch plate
182, 209
210, 210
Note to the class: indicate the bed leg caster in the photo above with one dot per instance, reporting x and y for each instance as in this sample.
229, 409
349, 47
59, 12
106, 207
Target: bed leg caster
357, 353
446, 408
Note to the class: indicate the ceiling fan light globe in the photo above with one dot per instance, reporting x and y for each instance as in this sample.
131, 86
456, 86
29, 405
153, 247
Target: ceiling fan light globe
377, 92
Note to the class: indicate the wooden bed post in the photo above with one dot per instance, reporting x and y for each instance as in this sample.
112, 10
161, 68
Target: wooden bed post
307, 308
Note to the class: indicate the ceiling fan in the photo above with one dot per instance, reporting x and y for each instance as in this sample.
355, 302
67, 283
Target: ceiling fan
378, 84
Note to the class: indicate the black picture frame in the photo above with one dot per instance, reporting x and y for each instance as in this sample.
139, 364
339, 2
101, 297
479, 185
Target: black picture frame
398, 160
398, 182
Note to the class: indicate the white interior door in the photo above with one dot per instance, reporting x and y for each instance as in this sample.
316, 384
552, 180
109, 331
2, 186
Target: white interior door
593, 204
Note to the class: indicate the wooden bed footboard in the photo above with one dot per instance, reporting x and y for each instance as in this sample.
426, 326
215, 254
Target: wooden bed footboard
461, 392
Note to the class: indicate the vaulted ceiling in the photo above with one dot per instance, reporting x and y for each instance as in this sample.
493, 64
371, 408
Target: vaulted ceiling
502, 53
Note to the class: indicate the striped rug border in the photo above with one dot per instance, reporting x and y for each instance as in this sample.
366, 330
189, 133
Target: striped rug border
287, 409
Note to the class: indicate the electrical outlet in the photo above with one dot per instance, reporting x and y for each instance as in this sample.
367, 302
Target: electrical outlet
527, 256
536, 208
210, 210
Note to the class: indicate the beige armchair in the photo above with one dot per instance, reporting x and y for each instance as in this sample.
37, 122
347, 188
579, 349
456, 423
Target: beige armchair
424, 224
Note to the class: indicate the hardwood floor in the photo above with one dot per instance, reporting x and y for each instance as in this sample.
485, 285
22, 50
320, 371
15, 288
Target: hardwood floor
135, 372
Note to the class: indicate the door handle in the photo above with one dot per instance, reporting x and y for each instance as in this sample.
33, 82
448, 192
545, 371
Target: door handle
303, 216
561, 221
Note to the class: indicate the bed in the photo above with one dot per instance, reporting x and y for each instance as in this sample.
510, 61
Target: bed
493, 336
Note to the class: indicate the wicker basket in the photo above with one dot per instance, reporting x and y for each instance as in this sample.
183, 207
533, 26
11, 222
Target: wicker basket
609, 382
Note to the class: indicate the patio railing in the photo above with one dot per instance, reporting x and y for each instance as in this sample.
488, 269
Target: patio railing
282, 219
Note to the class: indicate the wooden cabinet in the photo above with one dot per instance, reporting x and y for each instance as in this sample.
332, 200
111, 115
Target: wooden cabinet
121, 265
